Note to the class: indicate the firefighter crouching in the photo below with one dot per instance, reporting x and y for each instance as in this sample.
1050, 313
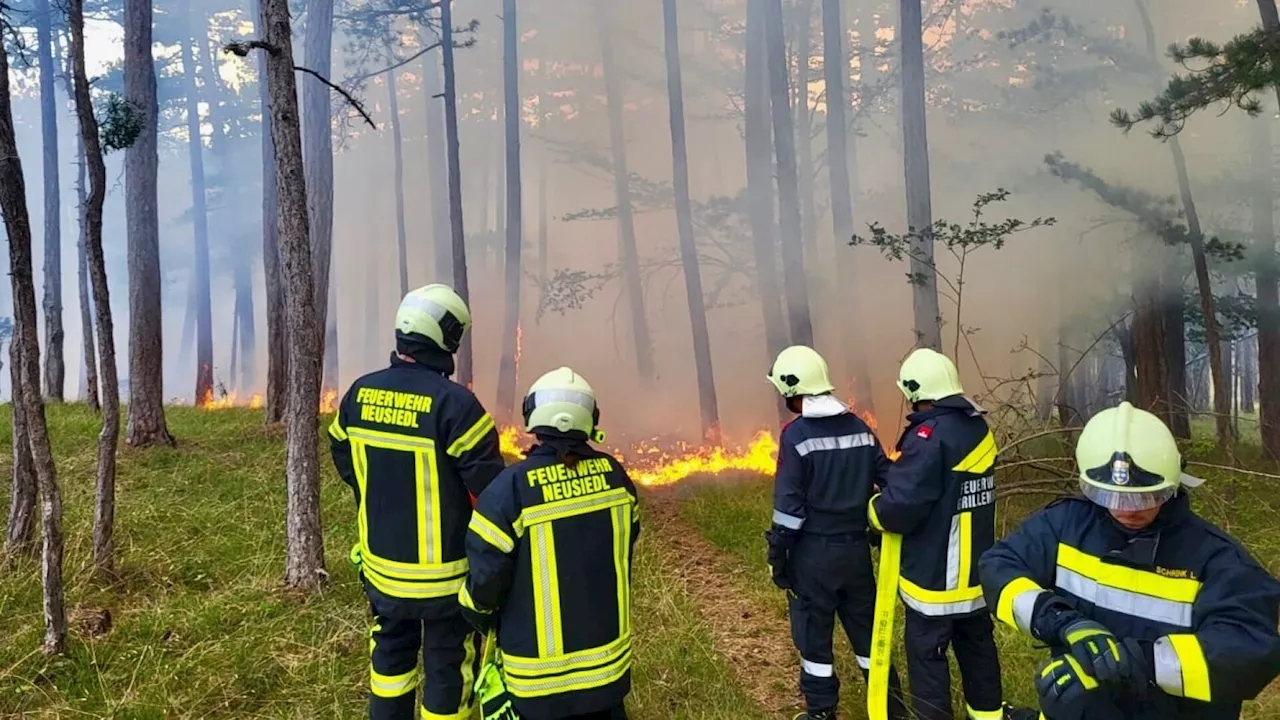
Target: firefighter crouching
1150, 612
415, 447
550, 547
827, 461
940, 497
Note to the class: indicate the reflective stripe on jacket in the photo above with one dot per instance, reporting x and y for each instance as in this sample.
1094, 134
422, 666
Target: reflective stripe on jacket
826, 466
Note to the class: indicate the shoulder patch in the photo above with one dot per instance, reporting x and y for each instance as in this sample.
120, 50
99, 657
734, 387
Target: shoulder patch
925, 432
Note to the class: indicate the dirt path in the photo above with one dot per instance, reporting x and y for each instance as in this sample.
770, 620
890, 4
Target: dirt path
754, 640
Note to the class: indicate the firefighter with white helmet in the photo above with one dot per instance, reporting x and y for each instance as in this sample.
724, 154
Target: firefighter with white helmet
550, 547
1149, 611
828, 459
415, 447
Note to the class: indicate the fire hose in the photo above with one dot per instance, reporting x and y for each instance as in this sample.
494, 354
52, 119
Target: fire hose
882, 626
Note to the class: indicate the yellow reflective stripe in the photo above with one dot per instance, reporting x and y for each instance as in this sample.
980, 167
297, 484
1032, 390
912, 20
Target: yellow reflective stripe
391, 441
872, 517
882, 627
413, 572
1181, 590
569, 682
392, 686
335, 428
981, 458
426, 484
466, 601
1010, 593
413, 590
1085, 678
1195, 669
468, 672
939, 597
621, 516
984, 714
361, 463
473, 436
426, 714
533, 668
966, 548
546, 590
558, 509
490, 533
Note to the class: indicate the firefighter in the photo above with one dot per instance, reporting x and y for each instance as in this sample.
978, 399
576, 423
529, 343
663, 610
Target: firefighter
939, 495
1149, 611
415, 447
828, 459
550, 548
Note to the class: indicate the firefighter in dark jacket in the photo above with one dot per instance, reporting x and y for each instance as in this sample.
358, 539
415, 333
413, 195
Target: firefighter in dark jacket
550, 547
415, 447
939, 495
1150, 611
828, 460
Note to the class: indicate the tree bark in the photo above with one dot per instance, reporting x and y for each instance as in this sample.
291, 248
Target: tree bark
684, 222
304, 541
20, 531
804, 146
1151, 391
277, 358
515, 220
55, 369
1175, 349
86, 304
17, 223
199, 220
1267, 279
317, 136
1248, 374
627, 250
915, 138
459, 240
146, 425
784, 139
245, 322
543, 224
397, 148
438, 170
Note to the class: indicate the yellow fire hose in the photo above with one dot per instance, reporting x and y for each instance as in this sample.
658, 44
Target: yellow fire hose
882, 628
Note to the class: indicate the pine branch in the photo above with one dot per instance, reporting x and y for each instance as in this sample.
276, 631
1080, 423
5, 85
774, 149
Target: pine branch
241, 49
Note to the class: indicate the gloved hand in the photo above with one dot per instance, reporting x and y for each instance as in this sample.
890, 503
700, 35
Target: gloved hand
1065, 689
478, 620
780, 541
356, 557
1097, 650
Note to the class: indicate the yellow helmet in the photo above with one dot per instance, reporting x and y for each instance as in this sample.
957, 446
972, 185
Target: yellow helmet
927, 374
562, 400
436, 312
800, 370
1128, 460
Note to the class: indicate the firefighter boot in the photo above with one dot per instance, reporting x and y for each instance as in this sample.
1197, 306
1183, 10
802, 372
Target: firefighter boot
1013, 713
824, 714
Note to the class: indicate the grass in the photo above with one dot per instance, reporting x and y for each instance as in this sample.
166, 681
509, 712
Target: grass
199, 624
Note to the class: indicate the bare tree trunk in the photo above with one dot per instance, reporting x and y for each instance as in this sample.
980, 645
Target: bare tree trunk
459, 244
915, 138
146, 424
543, 204
1151, 392
397, 148
1248, 374
804, 150
20, 531
13, 206
1267, 279
235, 344
304, 541
1175, 349
515, 207
55, 369
684, 221
1229, 368
245, 322
317, 135
437, 169
277, 358
627, 250
199, 220
86, 304
793, 276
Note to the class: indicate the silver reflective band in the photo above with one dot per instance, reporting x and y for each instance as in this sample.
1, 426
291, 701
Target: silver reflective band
1024, 607
573, 397
817, 669
953, 555
840, 442
1130, 603
426, 305
788, 521
960, 607
1168, 667
863, 662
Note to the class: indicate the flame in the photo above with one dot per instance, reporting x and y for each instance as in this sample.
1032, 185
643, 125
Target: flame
328, 402
256, 401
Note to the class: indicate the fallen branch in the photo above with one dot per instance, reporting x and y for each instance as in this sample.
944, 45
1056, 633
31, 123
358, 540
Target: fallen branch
1228, 468
241, 49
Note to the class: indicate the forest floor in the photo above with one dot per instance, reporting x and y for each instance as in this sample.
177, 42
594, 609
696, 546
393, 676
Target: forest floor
197, 625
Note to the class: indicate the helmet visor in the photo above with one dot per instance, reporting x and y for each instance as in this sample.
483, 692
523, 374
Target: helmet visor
1134, 500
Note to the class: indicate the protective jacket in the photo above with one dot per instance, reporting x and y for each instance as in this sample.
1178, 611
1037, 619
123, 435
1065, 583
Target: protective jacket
550, 549
1203, 611
415, 447
940, 496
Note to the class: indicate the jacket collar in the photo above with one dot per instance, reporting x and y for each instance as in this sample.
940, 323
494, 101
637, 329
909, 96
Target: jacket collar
441, 363
819, 406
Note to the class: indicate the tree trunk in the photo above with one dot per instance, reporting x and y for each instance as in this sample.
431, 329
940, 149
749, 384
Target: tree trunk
627, 251
515, 220
397, 148
55, 368
146, 425
245, 321
1151, 392
1175, 341
304, 541
438, 170
1248, 374
277, 358
684, 222
317, 135
17, 223
459, 240
784, 139
1267, 279
20, 531
199, 221
1229, 369
915, 139
543, 223
86, 304
760, 184
804, 146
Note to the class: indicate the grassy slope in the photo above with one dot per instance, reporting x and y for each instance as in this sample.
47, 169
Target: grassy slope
201, 628
732, 517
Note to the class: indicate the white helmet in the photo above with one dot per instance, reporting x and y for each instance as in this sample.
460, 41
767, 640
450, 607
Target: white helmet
562, 400
928, 375
800, 370
435, 312
1128, 460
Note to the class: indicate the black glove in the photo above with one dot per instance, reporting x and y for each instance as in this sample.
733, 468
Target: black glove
1098, 650
478, 620
780, 541
1065, 689
1050, 616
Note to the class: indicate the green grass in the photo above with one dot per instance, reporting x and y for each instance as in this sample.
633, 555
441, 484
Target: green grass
201, 627
732, 516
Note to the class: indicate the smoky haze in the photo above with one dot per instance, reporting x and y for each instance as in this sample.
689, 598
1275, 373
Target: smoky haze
994, 112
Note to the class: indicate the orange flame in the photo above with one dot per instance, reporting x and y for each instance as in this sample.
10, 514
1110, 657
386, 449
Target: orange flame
328, 401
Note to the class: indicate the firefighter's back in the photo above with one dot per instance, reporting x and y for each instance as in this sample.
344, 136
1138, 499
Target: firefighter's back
840, 456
